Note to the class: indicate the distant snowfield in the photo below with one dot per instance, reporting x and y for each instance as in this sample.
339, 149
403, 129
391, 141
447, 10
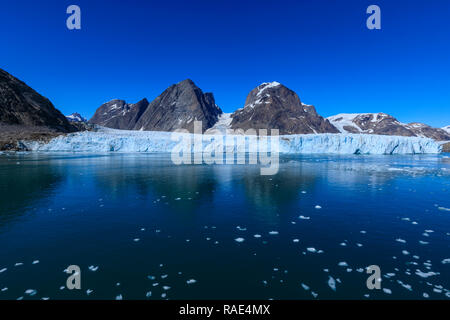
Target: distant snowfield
110, 140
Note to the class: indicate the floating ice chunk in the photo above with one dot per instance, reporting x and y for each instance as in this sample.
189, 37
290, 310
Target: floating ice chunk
426, 295
3, 270
164, 276
363, 231
257, 236
30, 292
360, 270
155, 284
332, 283
343, 244
445, 261
119, 297
166, 287
318, 207
443, 209
18, 264
313, 250
163, 295
89, 291
425, 274
93, 269
400, 240
241, 229
404, 285
35, 262
177, 199
191, 281
423, 242
387, 291
239, 240
304, 286
136, 239
343, 264
148, 294
304, 218
296, 240
405, 252
314, 294
273, 233
151, 277
359, 245
4, 289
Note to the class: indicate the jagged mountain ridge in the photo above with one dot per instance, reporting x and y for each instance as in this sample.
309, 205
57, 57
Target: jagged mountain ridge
176, 108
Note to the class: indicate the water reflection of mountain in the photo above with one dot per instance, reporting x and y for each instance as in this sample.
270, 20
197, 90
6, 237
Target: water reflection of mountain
154, 177
25, 182
273, 192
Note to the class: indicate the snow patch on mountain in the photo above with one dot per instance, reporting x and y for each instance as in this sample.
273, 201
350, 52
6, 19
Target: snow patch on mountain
447, 129
110, 140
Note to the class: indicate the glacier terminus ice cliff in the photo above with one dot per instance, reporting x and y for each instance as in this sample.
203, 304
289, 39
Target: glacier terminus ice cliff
111, 140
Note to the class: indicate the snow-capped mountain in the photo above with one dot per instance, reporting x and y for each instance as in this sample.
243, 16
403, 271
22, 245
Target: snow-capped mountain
273, 106
384, 124
447, 129
176, 108
76, 117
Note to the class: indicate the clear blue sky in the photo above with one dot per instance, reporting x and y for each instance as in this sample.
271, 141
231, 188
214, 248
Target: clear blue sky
320, 49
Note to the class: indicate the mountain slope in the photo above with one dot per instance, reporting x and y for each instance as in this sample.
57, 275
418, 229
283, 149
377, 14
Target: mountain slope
384, 124
23, 106
273, 106
118, 114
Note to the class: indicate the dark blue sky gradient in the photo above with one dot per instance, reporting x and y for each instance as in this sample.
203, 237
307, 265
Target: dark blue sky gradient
320, 49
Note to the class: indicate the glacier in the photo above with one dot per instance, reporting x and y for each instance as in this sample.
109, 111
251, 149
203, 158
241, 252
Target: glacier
112, 140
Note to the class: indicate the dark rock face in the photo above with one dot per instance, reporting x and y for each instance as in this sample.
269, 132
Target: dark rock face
21, 105
384, 124
273, 106
176, 108
118, 114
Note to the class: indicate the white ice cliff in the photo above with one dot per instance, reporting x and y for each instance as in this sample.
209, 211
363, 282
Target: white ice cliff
109, 140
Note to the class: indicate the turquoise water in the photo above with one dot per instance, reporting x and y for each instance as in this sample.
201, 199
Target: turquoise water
151, 226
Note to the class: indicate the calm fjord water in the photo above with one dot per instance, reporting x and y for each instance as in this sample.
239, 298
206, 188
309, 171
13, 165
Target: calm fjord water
151, 226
